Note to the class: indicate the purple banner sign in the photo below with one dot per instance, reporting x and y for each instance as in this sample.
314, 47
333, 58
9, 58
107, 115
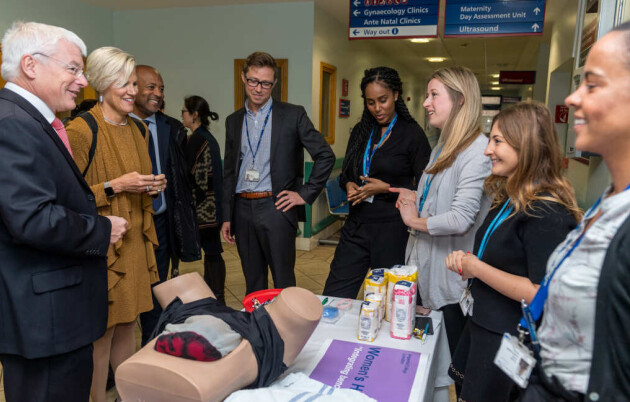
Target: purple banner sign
384, 374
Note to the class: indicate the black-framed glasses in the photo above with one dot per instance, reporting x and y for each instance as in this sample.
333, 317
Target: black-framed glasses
77, 71
253, 82
185, 111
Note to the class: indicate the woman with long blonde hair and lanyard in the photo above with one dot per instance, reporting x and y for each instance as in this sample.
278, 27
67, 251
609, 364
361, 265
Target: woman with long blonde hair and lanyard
449, 204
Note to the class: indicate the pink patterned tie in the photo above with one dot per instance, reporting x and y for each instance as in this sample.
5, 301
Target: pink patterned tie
61, 131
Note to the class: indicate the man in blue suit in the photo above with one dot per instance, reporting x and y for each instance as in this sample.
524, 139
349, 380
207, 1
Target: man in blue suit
53, 243
174, 212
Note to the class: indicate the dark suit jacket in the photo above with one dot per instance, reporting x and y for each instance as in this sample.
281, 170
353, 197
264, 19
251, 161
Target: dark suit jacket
53, 244
291, 132
610, 369
183, 230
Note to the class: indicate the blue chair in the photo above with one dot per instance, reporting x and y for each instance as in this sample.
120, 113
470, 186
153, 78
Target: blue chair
337, 204
337, 198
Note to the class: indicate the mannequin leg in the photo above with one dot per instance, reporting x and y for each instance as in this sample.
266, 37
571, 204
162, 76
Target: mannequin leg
102, 348
214, 275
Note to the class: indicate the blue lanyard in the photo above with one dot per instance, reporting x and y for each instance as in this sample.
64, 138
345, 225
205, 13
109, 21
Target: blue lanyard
259, 138
367, 156
427, 184
503, 214
532, 313
505, 211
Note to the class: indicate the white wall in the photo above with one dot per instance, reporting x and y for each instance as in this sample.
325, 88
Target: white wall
542, 65
195, 48
563, 30
92, 24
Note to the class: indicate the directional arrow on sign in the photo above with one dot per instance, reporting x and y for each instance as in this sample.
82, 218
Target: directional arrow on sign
355, 32
535, 27
356, 12
356, 3
536, 10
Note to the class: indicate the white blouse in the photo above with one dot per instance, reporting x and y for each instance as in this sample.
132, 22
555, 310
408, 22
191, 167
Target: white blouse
566, 333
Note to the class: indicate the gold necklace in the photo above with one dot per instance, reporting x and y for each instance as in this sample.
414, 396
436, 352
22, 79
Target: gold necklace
124, 123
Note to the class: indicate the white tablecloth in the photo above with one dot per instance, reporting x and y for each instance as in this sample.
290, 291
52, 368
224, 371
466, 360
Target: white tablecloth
431, 382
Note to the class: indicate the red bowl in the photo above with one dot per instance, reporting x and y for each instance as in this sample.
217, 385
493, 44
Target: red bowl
262, 296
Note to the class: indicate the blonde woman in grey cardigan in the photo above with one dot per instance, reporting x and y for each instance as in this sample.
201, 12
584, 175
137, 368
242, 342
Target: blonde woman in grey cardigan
449, 205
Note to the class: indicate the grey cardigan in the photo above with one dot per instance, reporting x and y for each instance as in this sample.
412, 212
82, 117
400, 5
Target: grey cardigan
455, 207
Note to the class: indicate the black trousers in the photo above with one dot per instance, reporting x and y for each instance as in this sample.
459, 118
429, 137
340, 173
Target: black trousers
61, 378
265, 237
363, 246
149, 319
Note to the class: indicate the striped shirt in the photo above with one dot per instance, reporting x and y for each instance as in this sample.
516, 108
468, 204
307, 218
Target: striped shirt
262, 162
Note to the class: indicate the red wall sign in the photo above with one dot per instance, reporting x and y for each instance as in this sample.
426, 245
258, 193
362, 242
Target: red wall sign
562, 114
344, 87
517, 77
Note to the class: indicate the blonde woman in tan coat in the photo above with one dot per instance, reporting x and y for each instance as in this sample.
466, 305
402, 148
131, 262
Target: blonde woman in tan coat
119, 174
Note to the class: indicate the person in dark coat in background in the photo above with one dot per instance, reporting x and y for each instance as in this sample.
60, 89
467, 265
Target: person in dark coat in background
203, 156
175, 220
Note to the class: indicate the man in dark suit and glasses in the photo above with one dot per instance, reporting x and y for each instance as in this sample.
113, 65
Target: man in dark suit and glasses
263, 184
53, 244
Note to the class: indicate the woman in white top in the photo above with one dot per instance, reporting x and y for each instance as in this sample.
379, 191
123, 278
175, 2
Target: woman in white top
566, 335
449, 205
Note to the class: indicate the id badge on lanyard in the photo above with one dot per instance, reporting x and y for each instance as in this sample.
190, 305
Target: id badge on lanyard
252, 175
515, 360
466, 302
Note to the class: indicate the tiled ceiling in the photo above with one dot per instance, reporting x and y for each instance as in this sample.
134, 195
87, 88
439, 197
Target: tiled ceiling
483, 55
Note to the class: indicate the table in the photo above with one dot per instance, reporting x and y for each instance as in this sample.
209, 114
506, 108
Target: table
431, 382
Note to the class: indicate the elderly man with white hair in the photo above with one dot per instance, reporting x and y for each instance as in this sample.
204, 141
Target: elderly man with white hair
53, 244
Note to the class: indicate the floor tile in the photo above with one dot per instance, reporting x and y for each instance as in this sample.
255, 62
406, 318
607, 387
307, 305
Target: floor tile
319, 278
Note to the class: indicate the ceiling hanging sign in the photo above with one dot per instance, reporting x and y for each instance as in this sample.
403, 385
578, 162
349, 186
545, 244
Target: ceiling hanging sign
393, 19
517, 77
494, 18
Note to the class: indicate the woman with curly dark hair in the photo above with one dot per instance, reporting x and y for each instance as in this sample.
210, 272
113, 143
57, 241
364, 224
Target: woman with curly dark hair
387, 148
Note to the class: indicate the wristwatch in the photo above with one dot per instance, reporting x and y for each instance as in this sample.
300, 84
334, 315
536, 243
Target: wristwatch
109, 191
